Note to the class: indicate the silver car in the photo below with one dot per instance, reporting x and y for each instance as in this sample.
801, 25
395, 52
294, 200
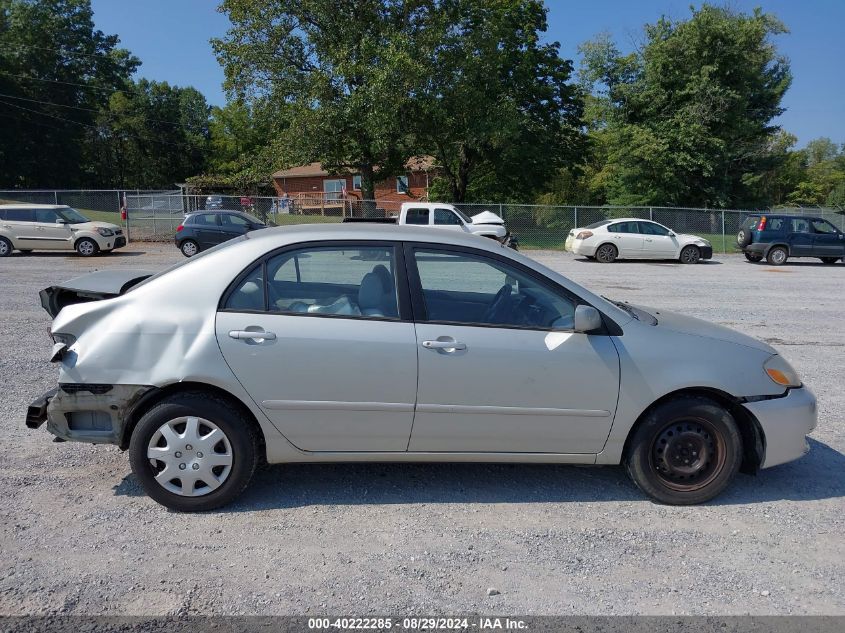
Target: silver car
391, 343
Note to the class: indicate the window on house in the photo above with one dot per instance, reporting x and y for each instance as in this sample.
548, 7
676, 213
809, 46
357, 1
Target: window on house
402, 184
334, 188
356, 182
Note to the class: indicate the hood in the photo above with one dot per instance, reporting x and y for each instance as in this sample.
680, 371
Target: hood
698, 327
101, 284
487, 217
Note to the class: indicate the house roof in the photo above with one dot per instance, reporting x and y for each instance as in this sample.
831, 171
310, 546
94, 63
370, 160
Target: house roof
415, 163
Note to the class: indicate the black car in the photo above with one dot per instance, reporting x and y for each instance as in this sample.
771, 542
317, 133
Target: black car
200, 231
779, 237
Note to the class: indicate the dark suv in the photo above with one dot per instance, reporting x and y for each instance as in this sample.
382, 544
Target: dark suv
779, 237
200, 231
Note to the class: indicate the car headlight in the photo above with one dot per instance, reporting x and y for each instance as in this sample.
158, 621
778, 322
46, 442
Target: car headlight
105, 232
781, 372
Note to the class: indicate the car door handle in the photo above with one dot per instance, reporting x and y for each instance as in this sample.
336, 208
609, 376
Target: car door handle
253, 335
447, 345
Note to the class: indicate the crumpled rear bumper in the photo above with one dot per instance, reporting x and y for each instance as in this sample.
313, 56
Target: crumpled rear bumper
85, 413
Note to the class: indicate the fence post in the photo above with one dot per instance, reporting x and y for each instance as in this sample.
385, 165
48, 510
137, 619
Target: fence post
724, 237
651, 213
575, 219
56, 197
501, 211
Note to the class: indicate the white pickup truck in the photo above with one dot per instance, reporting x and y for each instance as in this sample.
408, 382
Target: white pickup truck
446, 216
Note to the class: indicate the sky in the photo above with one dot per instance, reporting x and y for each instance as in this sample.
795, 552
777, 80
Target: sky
171, 38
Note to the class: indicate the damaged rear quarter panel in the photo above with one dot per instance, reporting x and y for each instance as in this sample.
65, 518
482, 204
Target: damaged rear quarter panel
159, 334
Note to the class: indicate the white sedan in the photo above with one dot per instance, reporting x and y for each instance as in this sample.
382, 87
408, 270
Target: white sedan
631, 238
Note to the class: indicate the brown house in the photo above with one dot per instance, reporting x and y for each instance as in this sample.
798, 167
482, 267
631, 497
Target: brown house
310, 187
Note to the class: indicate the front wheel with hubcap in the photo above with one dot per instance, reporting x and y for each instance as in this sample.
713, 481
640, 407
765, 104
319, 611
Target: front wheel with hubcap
87, 247
777, 256
189, 248
5, 247
690, 255
606, 253
193, 452
686, 451
753, 257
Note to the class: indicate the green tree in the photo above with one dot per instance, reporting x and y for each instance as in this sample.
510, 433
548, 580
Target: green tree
341, 70
56, 73
494, 95
687, 119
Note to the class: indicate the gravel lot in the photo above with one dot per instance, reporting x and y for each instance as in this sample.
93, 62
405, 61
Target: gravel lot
78, 536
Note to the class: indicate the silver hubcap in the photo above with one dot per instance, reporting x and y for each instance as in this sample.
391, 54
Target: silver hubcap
190, 456
86, 248
189, 248
778, 256
4, 248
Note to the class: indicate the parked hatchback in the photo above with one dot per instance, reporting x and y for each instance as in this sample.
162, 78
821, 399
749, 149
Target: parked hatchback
54, 227
333, 343
200, 231
776, 238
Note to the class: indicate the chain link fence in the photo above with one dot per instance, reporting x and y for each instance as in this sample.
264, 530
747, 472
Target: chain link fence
153, 215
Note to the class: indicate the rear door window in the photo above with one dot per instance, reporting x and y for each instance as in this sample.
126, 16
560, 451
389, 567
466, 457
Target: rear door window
800, 225
19, 215
624, 227
205, 219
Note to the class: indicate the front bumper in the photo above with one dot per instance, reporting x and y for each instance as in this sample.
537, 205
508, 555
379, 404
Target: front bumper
706, 252
85, 413
785, 423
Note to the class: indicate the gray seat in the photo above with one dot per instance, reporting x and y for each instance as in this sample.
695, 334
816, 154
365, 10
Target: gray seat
371, 296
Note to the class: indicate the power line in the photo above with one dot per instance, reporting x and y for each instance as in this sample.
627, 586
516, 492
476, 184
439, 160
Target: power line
61, 105
66, 83
71, 53
87, 125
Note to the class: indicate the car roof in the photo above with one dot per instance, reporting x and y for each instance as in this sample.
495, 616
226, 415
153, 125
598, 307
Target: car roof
795, 216
375, 231
28, 205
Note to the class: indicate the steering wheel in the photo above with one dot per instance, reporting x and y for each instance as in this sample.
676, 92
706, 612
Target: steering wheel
499, 302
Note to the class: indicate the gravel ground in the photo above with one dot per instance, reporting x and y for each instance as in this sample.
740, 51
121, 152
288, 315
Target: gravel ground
78, 536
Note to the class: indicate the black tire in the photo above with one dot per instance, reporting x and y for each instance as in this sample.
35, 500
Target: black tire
189, 248
5, 247
743, 238
753, 257
606, 253
690, 255
240, 433
672, 435
829, 260
86, 247
777, 256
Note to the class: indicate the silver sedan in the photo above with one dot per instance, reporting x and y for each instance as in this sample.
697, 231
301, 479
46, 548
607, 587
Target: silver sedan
391, 343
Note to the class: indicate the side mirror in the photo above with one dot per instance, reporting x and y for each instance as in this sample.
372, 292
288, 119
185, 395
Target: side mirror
60, 221
587, 319
671, 233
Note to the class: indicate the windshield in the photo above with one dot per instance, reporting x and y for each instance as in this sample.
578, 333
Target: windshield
72, 216
464, 216
596, 225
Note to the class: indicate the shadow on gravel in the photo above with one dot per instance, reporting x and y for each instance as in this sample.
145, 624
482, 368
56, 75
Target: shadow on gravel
818, 475
653, 262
